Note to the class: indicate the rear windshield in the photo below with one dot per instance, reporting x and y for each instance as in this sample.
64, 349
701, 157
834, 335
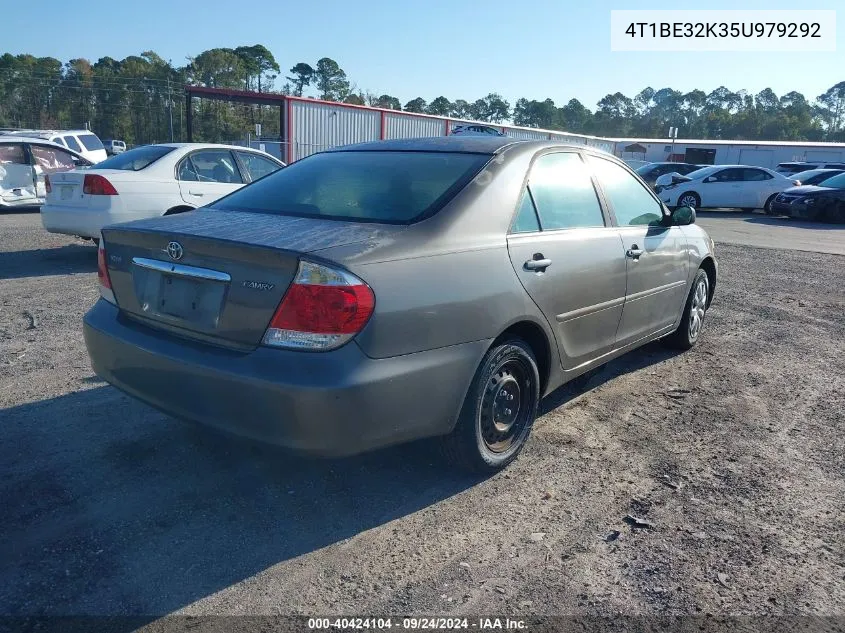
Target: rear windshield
91, 142
644, 170
135, 159
386, 187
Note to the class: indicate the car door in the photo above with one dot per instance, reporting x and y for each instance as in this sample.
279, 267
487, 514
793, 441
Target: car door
568, 257
47, 160
721, 188
207, 175
757, 186
657, 261
17, 178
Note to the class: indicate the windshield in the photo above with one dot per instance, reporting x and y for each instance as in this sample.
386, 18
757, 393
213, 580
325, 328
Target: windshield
365, 186
836, 182
701, 173
136, 159
91, 142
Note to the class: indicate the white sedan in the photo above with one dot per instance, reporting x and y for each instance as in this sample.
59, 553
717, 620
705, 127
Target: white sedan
739, 186
146, 182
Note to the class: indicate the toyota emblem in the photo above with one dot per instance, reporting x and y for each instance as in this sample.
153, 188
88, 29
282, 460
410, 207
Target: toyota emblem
175, 250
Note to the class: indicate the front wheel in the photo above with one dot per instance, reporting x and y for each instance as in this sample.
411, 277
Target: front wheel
768, 206
686, 336
498, 412
689, 199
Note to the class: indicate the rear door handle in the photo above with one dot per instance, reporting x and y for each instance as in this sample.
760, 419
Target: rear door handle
198, 194
634, 252
538, 264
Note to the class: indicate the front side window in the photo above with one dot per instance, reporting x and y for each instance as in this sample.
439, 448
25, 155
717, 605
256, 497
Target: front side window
632, 203
70, 141
361, 186
563, 192
257, 166
212, 166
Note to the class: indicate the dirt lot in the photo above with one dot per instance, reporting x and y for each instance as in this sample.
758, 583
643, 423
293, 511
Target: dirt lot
733, 453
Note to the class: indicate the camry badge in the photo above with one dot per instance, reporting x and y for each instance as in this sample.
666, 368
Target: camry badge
175, 250
258, 285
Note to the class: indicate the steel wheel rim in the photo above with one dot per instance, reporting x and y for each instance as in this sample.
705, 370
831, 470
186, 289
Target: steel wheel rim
505, 406
687, 201
697, 309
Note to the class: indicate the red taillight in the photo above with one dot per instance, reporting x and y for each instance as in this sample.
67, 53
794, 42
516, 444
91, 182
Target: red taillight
47, 183
322, 310
97, 185
102, 269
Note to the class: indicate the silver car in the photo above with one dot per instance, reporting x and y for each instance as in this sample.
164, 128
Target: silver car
396, 290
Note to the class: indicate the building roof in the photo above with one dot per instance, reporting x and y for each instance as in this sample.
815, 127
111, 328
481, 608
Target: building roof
694, 141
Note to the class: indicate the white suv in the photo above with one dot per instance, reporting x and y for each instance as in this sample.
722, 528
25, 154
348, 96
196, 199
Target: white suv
83, 142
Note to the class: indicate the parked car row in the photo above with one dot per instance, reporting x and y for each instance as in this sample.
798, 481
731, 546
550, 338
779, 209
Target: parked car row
739, 186
823, 200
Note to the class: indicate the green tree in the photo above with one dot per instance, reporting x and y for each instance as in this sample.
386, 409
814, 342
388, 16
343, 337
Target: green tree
331, 80
302, 75
416, 105
440, 106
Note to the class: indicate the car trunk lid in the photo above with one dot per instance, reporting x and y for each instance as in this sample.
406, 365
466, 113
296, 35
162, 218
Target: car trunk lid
216, 275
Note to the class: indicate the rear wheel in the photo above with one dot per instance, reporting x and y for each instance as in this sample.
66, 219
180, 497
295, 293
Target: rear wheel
689, 199
499, 410
694, 311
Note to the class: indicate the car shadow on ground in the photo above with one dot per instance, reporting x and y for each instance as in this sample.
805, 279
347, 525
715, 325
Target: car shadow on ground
652, 354
42, 262
795, 223
113, 508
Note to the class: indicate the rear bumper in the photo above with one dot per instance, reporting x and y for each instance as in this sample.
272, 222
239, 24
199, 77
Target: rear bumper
332, 403
82, 222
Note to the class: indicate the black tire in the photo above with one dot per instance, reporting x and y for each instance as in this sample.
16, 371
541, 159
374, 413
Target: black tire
767, 207
685, 337
489, 434
694, 196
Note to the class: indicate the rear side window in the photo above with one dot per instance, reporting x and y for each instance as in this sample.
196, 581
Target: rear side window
526, 217
91, 142
59, 140
632, 203
564, 192
756, 174
71, 143
361, 186
210, 166
135, 159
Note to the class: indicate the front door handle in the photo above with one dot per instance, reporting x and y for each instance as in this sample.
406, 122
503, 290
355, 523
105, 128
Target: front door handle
634, 252
539, 263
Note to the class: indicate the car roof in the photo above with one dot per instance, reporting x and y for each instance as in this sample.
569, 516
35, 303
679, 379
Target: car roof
470, 144
19, 138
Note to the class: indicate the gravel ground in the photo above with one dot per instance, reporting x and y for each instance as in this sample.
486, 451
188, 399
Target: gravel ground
731, 455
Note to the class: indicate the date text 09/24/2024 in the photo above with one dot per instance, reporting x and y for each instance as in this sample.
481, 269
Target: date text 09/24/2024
374, 623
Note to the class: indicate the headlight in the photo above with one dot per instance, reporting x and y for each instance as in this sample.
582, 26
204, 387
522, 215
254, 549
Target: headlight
669, 187
808, 201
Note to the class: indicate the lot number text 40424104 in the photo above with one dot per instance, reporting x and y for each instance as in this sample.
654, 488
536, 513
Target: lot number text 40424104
421, 623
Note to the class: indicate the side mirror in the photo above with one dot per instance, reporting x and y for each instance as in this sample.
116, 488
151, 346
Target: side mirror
683, 216
710, 179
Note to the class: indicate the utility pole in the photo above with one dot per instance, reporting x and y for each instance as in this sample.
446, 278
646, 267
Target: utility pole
673, 134
169, 101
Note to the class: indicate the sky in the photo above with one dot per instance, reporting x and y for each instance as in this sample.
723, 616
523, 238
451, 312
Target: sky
537, 49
